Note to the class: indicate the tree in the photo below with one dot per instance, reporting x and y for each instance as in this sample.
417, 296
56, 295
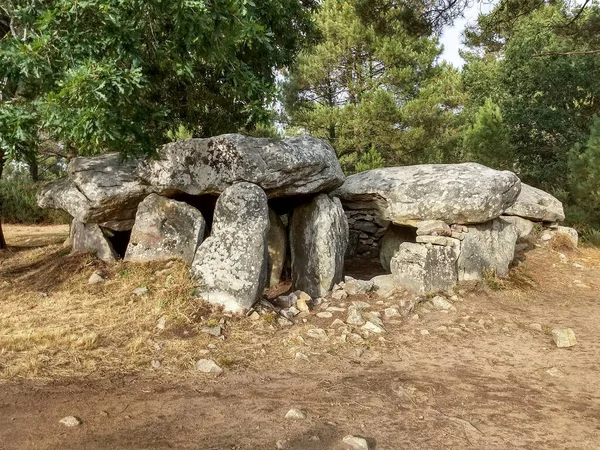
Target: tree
101, 75
487, 141
584, 164
547, 103
363, 91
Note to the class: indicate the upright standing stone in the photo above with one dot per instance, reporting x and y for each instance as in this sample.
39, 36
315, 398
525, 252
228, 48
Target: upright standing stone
88, 237
277, 247
390, 243
230, 266
165, 229
488, 246
425, 268
318, 241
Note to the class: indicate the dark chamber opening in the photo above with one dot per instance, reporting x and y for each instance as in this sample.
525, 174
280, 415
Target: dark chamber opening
204, 203
119, 240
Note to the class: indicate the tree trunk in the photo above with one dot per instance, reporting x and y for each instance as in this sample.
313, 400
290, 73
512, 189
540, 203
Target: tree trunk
34, 172
2, 241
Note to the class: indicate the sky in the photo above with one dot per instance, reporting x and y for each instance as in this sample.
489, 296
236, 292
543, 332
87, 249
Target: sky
452, 37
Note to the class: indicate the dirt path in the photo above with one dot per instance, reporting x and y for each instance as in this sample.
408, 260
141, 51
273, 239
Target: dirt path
485, 381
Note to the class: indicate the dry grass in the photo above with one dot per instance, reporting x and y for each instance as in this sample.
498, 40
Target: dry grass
562, 242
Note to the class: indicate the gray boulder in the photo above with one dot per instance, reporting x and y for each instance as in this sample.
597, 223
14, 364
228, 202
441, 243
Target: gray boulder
88, 237
390, 243
523, 227
536, 205
165, 229
318, 240
292, 166
489, 246
433, 228
277, 243
454, 193
425, 268
230, 266
106, 190
101, 189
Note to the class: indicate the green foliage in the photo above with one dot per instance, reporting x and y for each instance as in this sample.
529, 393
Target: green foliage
19, 204
584, 164
99, 75
547, 102
487, 141
179, 134
362, 89
371, 159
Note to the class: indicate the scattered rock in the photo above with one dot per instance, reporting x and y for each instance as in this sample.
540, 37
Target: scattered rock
355, 443
213, 331
285, 301
155, 363
335, 309
301, 305
161, 323
284, 322
337, 323
71, 421
95, 278
361, 305
339, 295
355, 317
535, 326
140, 292
384, 285
317, 333
554, 372
324, 315
440, 302
372, 327
391, 313
254, 316
356, 287
208, 366
295, 414
564, 337
424, 332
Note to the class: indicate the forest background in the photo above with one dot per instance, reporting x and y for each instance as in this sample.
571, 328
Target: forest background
93, 76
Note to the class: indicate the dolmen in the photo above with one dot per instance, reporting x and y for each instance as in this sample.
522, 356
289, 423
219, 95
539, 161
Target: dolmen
241, 211
435, 225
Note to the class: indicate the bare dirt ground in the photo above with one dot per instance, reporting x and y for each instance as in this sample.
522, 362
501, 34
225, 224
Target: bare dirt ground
482, 378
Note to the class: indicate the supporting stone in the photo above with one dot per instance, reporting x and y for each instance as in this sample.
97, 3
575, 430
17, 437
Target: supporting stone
230, 266
278, 243
88, 237
318, 241
425, 268
391, 241
487, 247
165, 229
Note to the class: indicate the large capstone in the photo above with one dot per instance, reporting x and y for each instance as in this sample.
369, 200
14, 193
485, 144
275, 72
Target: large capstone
425, 268
277, 247
281, 167
454, 193
107, 190
537, 205
88, 237
487, 247
165, 229
230, 266
318, 241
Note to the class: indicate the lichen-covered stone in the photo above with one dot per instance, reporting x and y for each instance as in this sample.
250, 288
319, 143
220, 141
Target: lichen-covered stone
230, 266
535, 204
454, 193
165, 229
318, 240
489, 246
88, 237
524, 227
390, 243
277, 242
425, 268
107, 190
